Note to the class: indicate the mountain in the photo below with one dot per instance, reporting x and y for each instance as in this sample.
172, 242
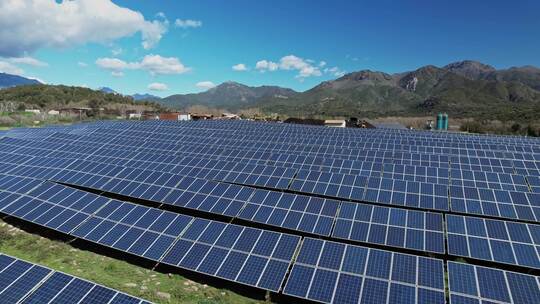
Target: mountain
8, 80
228, 95
151, 97
107, 90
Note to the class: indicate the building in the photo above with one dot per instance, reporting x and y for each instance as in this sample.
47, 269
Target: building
229, 116
134, 115
174, 116
335, 123
184, 117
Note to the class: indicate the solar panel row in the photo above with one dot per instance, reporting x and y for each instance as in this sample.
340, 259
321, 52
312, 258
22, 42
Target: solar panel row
154, 234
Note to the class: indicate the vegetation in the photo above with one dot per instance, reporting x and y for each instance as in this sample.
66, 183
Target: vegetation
134, 280
14, 101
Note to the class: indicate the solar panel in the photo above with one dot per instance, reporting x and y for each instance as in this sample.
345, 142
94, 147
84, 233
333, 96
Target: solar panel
331, 272
417, 230
24, 282
476, 284
493, 240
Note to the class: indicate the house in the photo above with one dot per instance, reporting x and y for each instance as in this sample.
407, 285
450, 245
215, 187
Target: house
134, 115
53, 112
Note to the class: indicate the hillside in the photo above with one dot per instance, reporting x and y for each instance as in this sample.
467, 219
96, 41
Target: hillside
58, 96
8, 80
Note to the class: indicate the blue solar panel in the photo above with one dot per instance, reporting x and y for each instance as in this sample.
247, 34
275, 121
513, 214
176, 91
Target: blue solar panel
332, 272
476, 284
494, 240
393, 227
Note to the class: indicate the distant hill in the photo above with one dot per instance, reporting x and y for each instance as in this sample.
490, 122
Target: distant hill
229, 95
107, 90
138, 97
8, 81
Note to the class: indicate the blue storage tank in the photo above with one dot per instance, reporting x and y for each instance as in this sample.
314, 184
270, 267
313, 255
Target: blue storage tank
445, 121
439, 121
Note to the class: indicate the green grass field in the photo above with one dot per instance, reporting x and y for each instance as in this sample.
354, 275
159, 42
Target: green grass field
134, 280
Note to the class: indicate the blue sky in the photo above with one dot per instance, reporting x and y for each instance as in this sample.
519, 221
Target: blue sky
169, 47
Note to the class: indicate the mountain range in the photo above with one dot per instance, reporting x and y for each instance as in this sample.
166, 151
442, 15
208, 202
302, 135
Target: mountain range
465, 89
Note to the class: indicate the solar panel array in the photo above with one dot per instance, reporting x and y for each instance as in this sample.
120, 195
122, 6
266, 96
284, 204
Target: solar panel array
24, 282
322, 214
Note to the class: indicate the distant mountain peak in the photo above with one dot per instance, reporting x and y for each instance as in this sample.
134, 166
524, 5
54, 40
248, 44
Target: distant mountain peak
145, 96
9, 80
470, 69
107, 90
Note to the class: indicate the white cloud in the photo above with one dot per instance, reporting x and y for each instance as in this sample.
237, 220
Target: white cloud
291, 62
335, 71
117, 74
82, 64
154, 64
156, 86
113, 64
264, 65
27, 61
8, 68
239, 67
322, 63
27, 25
205, 85
187, 23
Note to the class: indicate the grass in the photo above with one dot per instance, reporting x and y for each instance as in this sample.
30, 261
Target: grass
117, 274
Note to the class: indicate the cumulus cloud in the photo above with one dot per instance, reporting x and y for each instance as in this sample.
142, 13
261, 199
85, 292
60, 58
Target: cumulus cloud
154, 64
264, 65
304, 67
27, 25
205, 85
156, 86
239, 67
187, 23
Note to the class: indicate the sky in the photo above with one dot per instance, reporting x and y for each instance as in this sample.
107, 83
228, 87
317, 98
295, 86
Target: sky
176, 47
